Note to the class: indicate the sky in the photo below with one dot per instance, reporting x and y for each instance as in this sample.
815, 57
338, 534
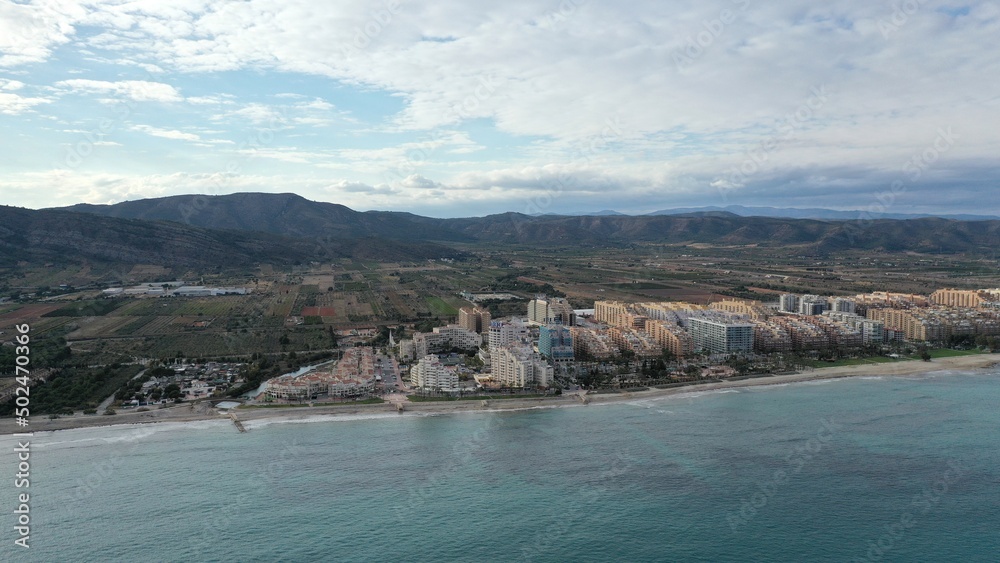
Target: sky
452, 108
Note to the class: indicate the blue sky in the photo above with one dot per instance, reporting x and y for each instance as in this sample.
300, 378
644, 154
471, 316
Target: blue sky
451, 108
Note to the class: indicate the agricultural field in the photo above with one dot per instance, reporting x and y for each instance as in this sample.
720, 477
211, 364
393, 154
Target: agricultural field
95, 327
367, 294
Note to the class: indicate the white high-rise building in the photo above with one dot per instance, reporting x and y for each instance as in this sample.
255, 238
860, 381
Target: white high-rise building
722, 337
520, 367
444, 338
789, 303
813, 305
507, 333
552, 310
429, 374
843, 305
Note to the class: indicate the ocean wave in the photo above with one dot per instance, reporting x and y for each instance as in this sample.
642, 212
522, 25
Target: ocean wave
116, 433
269, 421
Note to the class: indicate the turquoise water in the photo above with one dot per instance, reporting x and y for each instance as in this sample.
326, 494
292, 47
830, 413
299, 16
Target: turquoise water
863, 469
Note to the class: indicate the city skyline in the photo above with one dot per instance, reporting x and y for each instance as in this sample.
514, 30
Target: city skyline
534, 108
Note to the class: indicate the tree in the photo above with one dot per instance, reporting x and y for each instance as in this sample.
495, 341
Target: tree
173, 391
667, 356
925, 355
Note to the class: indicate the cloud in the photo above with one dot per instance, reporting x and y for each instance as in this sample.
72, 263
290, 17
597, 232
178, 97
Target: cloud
135, 90
647, 101
13, 104
166, 133
29, 32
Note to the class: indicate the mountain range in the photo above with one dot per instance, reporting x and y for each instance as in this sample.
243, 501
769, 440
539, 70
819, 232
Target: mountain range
791, 213
816, 213
248, 228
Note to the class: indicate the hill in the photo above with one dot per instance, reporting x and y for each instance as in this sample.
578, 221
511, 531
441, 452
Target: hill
284, 214
44, 236
292, 216
815, 213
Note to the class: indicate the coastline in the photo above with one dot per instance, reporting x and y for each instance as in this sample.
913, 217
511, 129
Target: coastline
204, 411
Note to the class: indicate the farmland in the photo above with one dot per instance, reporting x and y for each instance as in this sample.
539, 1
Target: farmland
294, 309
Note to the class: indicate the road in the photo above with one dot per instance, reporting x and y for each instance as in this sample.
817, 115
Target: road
107, 402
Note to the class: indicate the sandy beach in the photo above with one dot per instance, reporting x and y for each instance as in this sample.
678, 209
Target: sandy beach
204, 411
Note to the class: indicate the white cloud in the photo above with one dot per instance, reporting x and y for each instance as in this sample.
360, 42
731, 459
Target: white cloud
135, 90
29, 32
10, 84
13, 104
648, 98
166, 133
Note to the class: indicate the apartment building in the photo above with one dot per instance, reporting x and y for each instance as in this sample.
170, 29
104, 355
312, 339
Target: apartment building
721, 337
519, 366
474, 319
429, 374
444, 338
671, 337
753, 310
555, 343
551, 310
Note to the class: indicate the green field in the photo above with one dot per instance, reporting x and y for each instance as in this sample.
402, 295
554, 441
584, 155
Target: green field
949, 353
439, 307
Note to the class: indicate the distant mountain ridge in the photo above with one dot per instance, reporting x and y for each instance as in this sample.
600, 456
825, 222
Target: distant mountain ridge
786, 213
58, 236
285, 214
325, 224
818, 213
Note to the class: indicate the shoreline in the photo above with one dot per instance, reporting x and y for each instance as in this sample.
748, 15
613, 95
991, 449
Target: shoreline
204, 411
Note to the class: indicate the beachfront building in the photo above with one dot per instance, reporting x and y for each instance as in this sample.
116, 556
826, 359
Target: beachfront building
519, 366
872, 331
429, 374
940, 323
352, 377
841, 335
915, 324
721, 336
804, 334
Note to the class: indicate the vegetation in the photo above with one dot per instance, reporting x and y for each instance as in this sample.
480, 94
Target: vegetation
96, 308
75, 388
440, 307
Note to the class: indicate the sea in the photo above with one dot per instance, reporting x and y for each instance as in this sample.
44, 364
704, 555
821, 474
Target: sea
854, 469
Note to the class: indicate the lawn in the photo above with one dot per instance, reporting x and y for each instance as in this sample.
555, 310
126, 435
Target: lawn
949, 353
438, 306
